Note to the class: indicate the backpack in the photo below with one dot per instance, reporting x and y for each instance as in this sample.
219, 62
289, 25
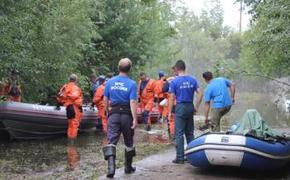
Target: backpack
165, 86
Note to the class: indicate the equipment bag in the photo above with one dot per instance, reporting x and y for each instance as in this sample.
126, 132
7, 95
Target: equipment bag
165, 86
70, 112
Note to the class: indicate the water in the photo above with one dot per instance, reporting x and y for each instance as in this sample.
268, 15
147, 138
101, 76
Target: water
274, 117
55, 159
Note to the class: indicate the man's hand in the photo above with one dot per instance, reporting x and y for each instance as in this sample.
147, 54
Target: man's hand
206, 121
233, 100
169, 115
195, 111
134, 124
92, 106
57, 107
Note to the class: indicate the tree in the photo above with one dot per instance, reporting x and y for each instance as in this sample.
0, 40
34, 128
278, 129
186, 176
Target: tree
267, 47
43, 40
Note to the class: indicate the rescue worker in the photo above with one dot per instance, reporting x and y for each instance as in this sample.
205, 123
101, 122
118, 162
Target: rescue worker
94, 83
121, 91
217, 92
71, 96
99, 102
13, 88
171, 118
2, 90
183, 88
159, 93
146, 95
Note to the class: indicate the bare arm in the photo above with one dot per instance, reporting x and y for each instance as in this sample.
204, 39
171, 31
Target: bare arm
199, 98
233, 92
106, 104
133, 106
206, 110
171, 102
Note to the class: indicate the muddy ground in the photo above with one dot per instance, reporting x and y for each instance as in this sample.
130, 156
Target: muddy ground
159, 166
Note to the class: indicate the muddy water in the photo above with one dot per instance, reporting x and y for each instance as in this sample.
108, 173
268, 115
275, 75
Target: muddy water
273, 116
55, 159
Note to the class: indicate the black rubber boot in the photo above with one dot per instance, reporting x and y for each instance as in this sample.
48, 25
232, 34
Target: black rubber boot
128, 161
110, 156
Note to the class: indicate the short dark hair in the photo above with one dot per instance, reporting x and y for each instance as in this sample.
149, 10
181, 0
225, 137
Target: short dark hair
180, 65
125, 68
207, 75
142, 74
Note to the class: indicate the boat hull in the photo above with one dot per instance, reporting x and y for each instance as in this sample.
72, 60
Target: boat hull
30, 121
238, 151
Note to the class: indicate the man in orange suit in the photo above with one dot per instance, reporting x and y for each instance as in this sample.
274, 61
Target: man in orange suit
71, 96
99, 102
146, 95
159, 93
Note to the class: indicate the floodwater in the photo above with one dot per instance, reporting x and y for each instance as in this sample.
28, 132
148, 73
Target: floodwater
54, 159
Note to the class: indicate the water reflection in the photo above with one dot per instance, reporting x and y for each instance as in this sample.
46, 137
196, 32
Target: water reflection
73, 157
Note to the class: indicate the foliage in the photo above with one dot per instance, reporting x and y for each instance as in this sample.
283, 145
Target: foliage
48, 40
267, 43
43, 40
206, 44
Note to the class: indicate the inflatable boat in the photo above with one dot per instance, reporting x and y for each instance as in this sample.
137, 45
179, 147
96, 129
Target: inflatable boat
31, 121
237, 150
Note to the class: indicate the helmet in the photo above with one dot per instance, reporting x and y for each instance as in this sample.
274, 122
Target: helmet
161, 74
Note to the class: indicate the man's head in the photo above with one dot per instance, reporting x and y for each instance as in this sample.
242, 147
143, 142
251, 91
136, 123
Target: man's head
93, 78
180, 66
101, 79
161, 74
142, 76
73, 78
174, 71
125, 65
109, 75
207, 76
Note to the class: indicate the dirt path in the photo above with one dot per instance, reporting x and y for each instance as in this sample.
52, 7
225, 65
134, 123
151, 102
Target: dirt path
159, 166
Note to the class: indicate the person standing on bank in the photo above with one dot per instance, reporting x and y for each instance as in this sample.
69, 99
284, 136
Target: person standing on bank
217, 92
183, 88
121, 91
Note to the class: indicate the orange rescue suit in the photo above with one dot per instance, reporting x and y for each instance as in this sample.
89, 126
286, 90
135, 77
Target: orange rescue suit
160, 95
71, 95
171, 120
99, 102
147, 97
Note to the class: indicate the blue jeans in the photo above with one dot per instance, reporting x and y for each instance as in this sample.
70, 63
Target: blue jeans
183, 125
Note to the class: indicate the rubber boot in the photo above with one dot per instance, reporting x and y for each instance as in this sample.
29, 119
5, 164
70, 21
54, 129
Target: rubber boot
128, 161
110, 156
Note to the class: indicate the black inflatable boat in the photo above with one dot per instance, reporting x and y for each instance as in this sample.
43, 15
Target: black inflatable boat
32, 121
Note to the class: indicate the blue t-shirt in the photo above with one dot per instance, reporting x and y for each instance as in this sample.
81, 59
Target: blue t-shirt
120, 90
183, 87
95, 86
217, 91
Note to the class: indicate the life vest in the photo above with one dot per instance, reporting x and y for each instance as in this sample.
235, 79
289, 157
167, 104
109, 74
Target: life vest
148, 91
70, 93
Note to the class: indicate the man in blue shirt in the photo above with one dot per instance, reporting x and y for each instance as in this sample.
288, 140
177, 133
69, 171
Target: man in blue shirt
217, 92
121, 92
183, 88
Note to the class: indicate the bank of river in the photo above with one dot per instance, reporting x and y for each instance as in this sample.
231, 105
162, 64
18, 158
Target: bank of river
54, 159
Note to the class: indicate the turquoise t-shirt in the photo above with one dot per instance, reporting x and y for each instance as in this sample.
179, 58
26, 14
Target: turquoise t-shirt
217, 91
